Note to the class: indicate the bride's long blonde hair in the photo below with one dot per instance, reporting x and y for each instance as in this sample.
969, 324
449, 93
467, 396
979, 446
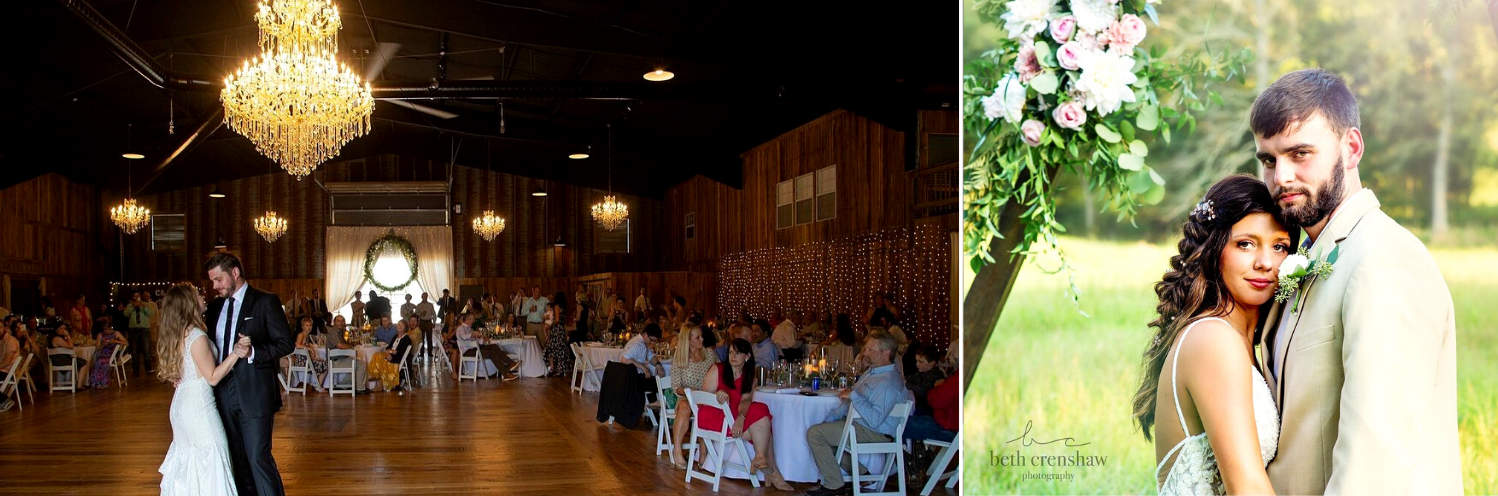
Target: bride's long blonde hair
179, 312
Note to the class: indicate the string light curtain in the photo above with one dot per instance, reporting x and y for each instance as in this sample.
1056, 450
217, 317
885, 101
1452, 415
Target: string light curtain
842, 276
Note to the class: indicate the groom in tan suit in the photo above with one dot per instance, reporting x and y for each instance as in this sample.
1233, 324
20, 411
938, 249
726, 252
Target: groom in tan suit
1363, 368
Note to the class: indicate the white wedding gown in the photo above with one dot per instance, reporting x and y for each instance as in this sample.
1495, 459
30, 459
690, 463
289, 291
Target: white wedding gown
1195, 470
198, 462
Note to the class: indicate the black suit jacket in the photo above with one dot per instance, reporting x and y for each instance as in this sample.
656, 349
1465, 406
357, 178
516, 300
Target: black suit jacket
261, 317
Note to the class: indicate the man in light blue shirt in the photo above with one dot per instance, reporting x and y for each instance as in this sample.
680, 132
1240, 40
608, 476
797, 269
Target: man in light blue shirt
385, 333
766, 352
638, 354
534, 309
874, 397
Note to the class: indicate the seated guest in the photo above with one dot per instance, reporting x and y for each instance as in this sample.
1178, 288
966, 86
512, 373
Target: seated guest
386, 332
735, 331
414, 328
334, 341
10, 351
733, 384
942, 422
874, 396
30, 344
785, 337
766, 352
306, 341
386, 364
339, 325
813, 332
637, 353
924, 377
109, 339
64, 339
842, 333
693, 358
489, 352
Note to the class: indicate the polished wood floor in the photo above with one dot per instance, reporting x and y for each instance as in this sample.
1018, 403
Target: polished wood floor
530, 436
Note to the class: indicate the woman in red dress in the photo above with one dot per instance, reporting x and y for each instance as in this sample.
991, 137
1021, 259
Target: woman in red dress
734, 384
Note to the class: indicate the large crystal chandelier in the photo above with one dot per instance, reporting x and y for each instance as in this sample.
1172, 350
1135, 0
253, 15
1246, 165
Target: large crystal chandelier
270, 227
129, 216
610, 212
488, 225
294, 101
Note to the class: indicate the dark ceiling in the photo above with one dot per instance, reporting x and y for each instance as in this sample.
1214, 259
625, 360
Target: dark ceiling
745, 73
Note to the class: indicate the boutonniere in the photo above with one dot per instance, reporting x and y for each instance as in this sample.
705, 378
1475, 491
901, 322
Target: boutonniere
1299, 268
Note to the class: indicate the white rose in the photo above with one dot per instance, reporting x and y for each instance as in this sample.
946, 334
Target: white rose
1292, 264
1007, 101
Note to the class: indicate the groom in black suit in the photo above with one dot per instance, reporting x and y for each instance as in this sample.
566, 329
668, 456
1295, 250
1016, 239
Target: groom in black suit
252, 320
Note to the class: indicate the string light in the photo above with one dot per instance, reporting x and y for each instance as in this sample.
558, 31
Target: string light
833, 277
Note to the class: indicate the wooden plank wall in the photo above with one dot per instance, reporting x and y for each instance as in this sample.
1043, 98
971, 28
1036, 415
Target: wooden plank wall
48, 225
698, 288
524, 250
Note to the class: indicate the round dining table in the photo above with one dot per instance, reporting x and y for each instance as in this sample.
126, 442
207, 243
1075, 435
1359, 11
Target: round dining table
791, 415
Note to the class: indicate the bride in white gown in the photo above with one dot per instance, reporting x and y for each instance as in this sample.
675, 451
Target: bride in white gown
1224, 426
197, 463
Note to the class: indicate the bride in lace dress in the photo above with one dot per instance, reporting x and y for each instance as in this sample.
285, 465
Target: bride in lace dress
1223, 426
197, 463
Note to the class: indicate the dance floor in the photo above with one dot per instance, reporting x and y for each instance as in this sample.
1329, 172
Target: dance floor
529, 436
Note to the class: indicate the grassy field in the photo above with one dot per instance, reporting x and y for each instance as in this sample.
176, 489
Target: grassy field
1068, 375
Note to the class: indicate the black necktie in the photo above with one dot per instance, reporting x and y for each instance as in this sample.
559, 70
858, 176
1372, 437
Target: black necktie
228, 333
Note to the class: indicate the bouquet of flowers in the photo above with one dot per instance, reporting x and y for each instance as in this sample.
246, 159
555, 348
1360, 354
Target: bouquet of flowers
1070, 88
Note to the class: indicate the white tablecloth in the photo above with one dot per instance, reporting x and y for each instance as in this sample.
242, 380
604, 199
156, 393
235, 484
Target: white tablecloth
792, 415
528, 349
599, 357
85, 353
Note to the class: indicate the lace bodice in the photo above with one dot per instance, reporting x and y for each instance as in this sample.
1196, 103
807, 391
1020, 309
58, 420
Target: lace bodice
189, 370
1195, 470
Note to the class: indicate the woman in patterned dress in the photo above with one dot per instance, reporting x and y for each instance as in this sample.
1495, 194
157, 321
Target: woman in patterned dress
558, 354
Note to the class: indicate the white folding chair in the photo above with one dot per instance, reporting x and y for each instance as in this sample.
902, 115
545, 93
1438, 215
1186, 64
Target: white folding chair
442, 354
588, 371
25, 376
577, 369
117, 365
334, 371
9, 384
405, 371
69, 371
943, 457
463, 360
717, 444
299, 371
893, 451
666, 415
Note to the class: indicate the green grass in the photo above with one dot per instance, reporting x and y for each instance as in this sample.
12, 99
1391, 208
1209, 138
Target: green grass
1074, 376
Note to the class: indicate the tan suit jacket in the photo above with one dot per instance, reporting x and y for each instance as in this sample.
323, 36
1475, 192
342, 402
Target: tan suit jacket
1364, 371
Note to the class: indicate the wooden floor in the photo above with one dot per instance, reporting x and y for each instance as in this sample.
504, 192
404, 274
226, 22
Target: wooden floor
530, 436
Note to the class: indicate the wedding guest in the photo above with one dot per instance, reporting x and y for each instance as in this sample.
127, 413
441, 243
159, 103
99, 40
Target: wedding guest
407, 309
493, 353
923, 377
875, 396
357, 307
139, 317
733, 384
812, 331
766, 352
64, 339
317, 308
109, 339
883, 307
940, 424
558, 353
534, 309
426, 313
642, 306
306, 341
334, 341
79, 317
446, 305
637, 353
378, 306
785, 337
385, 365
694, 357
385, 332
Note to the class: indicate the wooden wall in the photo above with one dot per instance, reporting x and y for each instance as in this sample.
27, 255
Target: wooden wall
698, 288
524, 250
48, 232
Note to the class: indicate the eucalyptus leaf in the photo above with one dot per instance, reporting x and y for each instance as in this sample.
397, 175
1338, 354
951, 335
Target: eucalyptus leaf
1045, 83
1137, 147
1149, 117
1126, 130
1042, 49
1107, 133
1149, 9
1154, 195
1140, 182
1130, 162
1155, 176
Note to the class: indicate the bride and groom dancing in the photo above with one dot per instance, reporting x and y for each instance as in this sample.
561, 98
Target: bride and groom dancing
226, 388
1354, 388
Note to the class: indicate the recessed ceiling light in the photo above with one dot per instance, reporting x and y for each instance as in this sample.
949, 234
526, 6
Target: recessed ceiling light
659, 75
132, 156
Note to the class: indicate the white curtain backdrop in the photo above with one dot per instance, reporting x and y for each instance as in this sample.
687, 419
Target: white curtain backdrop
345, 258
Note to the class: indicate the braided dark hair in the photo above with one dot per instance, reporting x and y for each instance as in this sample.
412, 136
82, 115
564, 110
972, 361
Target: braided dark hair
1193, 287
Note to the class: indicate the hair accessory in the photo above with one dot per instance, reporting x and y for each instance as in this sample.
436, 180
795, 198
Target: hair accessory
1204, 212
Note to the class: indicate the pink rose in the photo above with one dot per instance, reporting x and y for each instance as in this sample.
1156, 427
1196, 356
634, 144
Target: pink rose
1062, 29
1070, 115
1027, 65
1126, 34
1068, 54
1088, 41
1032, 130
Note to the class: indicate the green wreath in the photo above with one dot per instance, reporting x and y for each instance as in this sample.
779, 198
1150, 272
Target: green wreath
389, 240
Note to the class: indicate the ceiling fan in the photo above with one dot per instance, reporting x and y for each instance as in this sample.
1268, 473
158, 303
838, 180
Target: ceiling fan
382, 56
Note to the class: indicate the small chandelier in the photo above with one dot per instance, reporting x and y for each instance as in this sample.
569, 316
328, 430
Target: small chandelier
610, 212
489, 225
270, 227
130, 216
294, 101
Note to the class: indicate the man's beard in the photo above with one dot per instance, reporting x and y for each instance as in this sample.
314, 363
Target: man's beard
1318, 204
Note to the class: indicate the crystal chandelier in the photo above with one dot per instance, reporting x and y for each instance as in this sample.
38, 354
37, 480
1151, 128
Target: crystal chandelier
129, 216
294, 101
270, 227
610, 212
489, 225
